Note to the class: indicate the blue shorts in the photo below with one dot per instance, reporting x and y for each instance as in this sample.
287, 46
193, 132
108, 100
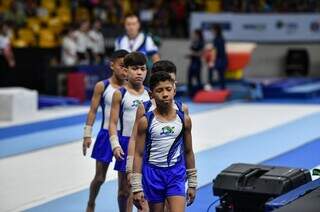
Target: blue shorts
159, 183
102, 148
120, 165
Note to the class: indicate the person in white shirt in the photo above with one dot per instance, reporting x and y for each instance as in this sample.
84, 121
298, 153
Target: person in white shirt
69, 48
83, 43
5, 47
134, 40
97, 41
7, 60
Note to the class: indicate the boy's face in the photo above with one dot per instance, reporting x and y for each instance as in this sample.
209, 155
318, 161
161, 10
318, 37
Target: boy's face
136, 74
164, 93
118, 69
132, 26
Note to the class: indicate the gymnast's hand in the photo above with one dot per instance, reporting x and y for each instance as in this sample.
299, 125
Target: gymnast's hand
86, 144
191, 195
138, 199
118, 153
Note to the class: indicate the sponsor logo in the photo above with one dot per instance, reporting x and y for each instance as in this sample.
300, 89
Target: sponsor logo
225, 26
167, 130
136, 103
255, 27
289, 27
279, 24
315, 26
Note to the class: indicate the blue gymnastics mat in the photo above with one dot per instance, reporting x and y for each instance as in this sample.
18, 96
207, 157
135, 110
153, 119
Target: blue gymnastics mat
294, 88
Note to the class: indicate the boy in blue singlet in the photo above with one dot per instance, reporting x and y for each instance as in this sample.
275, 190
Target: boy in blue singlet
102, 96
125, 102
170, 68
163, 153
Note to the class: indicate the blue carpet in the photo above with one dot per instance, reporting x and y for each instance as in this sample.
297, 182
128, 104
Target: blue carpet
70, 203
251, 149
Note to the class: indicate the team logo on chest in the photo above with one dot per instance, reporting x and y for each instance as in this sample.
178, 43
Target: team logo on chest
136, 103
167, 130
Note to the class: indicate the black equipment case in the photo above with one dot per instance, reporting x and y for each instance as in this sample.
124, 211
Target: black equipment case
247, 187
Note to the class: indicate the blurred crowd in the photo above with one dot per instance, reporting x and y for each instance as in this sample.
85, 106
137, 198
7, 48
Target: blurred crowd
70, 23
162, 17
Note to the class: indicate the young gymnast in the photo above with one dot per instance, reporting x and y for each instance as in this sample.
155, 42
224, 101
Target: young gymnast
163, 153
125, 102
170, 68
102, 96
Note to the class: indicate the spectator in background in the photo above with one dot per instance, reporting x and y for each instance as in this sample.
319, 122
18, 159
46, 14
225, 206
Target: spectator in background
97, 42
15, 14
31, 8
161, 17
114, 11
179, 19
69, 47
220, 61
100, 12
134, 40
8, 30
83, 43
195, 67
7, 60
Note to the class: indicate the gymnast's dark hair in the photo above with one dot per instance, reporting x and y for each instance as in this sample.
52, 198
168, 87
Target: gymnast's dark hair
118, 54
134, 59
164, 65
158, 77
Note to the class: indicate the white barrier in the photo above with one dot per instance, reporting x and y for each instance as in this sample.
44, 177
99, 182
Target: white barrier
17, 103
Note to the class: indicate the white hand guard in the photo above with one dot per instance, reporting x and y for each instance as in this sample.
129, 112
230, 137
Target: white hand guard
192, 178
87, 133
114, 140
136, 182
129, 165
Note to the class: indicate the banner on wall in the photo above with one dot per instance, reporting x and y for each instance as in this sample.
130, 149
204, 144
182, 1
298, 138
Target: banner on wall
260, 27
